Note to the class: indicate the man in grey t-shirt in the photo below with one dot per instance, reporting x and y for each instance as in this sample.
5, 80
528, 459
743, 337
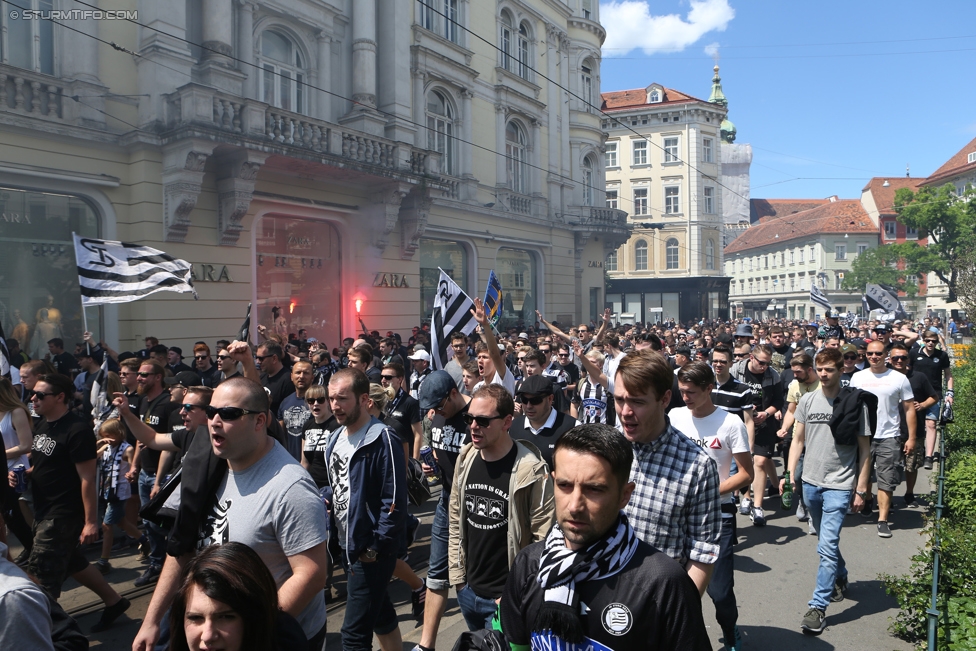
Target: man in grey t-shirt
829, 472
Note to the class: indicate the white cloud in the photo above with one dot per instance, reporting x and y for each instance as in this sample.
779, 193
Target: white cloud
631, 26
711, 50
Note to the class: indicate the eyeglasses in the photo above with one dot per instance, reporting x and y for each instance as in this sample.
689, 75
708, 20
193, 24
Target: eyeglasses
223, 357
141, 374
188, 407
534, 400
388, 378
760, 362
40, 395
483, 421
261, 357
854, 357
228, 413
875, 354
899, 358
316, 401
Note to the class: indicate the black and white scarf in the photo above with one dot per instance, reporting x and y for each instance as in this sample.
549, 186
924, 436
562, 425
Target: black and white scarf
561, 568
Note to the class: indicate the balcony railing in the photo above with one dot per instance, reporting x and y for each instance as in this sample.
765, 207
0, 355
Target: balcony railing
30, 93
203, 106
605, 217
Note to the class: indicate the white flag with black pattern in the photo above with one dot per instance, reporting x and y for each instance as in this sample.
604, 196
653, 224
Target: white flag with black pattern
452, 313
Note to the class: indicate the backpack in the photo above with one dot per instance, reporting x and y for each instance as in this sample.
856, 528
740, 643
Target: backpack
418, 488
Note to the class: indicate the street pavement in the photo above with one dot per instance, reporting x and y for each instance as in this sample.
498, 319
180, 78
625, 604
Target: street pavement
775, 574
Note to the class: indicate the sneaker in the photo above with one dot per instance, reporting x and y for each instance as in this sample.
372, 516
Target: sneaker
814, 622
801, 512
928, 463
103, 566
733, 642
909, 499
110, 614
812, 530
418, 598
144, 547
151, 575
745, 506
758, 517
840, 589
884, 530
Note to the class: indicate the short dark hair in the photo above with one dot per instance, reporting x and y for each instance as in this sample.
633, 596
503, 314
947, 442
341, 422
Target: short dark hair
457, 335
723, 350
504, 403
698, 373
652, 339
801, 359
395, 367
358, 379
159, 349
255, 397
57, 342
536, 355
830, 357
361, 353
471, 366
60, 384
900, 346
601, 441
272, 347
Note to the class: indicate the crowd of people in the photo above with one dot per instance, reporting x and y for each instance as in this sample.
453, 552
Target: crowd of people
590, 476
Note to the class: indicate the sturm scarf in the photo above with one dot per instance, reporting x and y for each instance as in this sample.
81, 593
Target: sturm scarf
561, 568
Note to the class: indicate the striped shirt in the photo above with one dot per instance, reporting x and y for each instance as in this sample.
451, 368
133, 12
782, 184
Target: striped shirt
733, 396
675, 505
594, 404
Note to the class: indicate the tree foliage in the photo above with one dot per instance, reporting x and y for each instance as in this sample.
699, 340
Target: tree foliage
880, 266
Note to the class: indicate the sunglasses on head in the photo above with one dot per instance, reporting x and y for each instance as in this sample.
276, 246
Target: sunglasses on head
316, 401
483, 421
228, 413
533, 400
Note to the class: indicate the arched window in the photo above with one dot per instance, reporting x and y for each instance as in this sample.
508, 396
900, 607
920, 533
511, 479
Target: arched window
640, 255
709, 255
283, 73
507, 39
515, 144
523, 52
586, 85
587, 182
440, 129
671, 253
611, 263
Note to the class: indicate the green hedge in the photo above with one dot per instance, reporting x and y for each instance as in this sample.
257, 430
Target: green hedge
957, 576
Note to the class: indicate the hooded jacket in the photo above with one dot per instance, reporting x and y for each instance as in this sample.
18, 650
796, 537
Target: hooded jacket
377, 514
846, 420
530, 513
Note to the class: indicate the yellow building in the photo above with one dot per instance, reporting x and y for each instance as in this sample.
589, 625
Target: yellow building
303, 156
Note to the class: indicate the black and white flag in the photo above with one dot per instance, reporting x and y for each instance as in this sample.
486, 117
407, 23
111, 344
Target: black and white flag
245, 333
818, 296
118, 272
4, 356
879, 297
452, 313
100, 400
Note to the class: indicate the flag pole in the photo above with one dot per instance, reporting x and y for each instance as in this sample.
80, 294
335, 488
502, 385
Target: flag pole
84, 314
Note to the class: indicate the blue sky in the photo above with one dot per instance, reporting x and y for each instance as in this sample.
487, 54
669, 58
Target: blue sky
828, 92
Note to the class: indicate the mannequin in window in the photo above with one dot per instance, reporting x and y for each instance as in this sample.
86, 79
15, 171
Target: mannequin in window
20, 331
45, 331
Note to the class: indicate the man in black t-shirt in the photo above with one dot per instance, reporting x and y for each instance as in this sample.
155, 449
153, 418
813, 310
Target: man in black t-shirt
539, 422
924, 397
850, 364
63, 362
501, 502
63, 483
448, 433
933, 364
403, 406
275, 378
636, 597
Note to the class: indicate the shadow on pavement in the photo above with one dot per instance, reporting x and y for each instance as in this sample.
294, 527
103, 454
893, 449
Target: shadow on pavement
864, 598
746, 564
770, 638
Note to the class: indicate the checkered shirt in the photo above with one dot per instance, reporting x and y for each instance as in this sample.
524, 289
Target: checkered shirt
675, 505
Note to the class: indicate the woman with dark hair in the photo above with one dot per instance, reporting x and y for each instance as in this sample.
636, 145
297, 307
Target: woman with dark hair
228, 600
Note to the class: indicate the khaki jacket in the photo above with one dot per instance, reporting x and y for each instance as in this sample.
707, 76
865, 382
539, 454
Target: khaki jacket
531, 509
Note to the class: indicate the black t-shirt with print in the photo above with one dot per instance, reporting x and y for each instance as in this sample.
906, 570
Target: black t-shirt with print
177, 431
404, 408
279, 387
922, 390
315, 439
55, 483
64, 363
763, 398
155, 413
931, 367
447, 437
486, 497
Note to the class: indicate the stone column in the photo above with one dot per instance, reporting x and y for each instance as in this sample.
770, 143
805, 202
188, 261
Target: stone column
465, 153
218, 22
245, 48
364, 52
535, 159
501, 163
419, 101
81, 62
324, 108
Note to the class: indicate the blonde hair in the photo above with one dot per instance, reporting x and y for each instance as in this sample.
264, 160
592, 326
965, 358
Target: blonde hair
380, 395
112, 427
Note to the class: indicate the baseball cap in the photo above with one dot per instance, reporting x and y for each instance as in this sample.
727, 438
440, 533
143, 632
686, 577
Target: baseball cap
812, 325
848, 348
831, 314
177, 350
523, 335
420, 354
538, 385
882, 327
183, 378
435, 388
743, 330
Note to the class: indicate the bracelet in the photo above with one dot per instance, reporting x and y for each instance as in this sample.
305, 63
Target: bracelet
950, 393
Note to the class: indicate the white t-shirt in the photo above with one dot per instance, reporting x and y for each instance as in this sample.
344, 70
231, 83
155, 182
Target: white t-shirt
892, 388
508, 382
721, 435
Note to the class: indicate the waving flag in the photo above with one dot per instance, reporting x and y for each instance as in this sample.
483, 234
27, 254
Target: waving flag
4, 356
99, 398
493, 299
881, 297
818, 296
117, 272
245, 333
452, 313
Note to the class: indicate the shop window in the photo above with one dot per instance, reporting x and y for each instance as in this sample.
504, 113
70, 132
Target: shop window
435, 255
518, 272
298, 270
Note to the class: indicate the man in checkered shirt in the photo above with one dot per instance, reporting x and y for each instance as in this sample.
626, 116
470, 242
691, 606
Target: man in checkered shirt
675, 505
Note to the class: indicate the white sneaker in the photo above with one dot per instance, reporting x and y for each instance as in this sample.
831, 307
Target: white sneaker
812, 530
801, 513
758, 517
745, 506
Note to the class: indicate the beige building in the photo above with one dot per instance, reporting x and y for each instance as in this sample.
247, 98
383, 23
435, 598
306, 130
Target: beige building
664, 167
303, 155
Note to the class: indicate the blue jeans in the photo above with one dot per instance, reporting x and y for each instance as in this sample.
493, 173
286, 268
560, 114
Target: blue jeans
368, 606
827, 508
437, 575
156, 535
721, 587
477, 611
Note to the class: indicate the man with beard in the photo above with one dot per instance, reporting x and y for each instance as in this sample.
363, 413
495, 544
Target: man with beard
274, 376
804, 381
293, 411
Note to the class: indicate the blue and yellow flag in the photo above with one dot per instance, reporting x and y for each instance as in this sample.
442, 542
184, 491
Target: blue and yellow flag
493, 299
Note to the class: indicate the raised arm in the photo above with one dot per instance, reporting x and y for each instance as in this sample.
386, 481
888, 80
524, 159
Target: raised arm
553, 329
590, 367
607, 314
143, 433
496, 357
240, 351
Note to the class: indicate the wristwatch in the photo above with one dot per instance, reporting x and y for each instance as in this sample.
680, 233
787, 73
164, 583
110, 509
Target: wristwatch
861, 494
370, 555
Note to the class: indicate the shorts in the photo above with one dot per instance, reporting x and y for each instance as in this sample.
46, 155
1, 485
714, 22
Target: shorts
765, 444
932, 413
56, 555
114, 512
889, 462
915, 458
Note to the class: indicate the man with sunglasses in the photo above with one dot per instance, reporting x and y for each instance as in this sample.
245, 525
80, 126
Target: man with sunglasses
925, 396
204, 366
403, 407
895, 397
293, 412
851, 358
227, 365
501, 502
275, 377
933, 364
539, 421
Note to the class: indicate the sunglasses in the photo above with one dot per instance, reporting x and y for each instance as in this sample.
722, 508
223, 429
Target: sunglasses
141, 374
223, 357
201, 357
188, 407
228, 413
534, 400
483, 421
563, 354
854, 357
899, 358
40, 395
870, 354
316, 401
760, 362
388, 377
260, 357
741, 355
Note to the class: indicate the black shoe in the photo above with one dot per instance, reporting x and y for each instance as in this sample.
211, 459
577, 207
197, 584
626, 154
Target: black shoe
418, 599
110, 614
840, 589
151, 575
866, 511
909, 499
103, 566
884, 530
928, 463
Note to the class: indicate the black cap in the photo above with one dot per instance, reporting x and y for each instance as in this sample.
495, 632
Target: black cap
537, 385
882, 327
437, 386
177, 350
184, 379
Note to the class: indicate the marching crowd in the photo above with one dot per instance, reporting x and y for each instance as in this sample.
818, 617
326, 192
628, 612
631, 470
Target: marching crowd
589, 477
